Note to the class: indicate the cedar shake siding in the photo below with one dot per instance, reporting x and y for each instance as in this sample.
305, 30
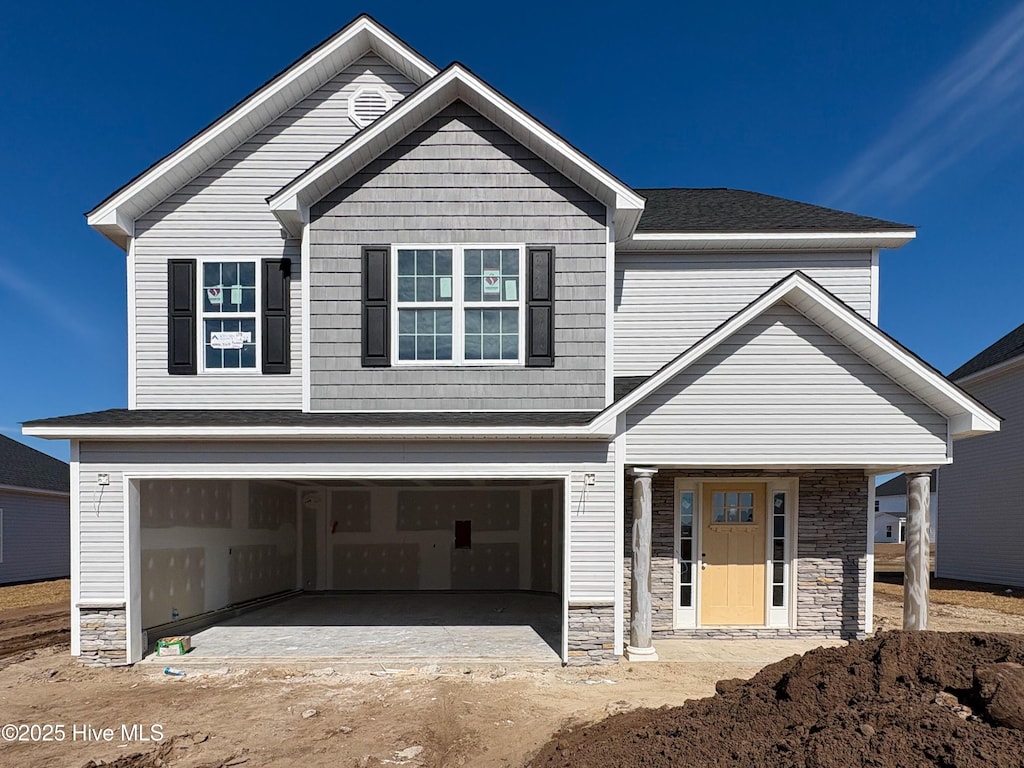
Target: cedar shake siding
457, 179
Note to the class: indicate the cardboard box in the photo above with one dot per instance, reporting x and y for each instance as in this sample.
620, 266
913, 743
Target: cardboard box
178, 645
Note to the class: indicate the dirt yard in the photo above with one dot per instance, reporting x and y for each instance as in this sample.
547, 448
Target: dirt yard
431, 718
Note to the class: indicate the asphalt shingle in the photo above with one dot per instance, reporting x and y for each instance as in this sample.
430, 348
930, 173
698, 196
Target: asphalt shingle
735, 210
24, 467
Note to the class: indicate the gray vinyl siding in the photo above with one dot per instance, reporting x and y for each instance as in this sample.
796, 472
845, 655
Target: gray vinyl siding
35, 535
664, 303
458, 179
981, 528
590, 521
223, 213
782, 390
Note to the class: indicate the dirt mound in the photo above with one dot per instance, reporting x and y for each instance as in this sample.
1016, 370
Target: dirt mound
900, 699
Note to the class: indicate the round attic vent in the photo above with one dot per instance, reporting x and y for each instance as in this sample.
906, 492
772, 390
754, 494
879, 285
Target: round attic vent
367, 104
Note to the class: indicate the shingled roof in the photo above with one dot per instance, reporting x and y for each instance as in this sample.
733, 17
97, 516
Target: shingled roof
24, 467
120, 417
735, 210
897, 486
1007, 348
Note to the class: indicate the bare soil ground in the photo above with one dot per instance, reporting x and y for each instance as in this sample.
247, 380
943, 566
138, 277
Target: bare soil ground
889, 558
491, 717
33, 616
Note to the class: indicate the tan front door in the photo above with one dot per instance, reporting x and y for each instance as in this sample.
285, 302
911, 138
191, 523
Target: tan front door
732, 587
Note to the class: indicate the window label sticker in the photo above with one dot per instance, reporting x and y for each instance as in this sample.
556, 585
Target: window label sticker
215, 295
229, 339
492, 282
236, 294
444, 289
511, 291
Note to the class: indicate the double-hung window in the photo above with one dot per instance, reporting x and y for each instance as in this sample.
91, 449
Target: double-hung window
458, 304
229, 301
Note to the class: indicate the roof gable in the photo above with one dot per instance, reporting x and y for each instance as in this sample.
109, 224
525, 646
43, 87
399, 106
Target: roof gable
456, 83
115, 216
24, 467
967, 416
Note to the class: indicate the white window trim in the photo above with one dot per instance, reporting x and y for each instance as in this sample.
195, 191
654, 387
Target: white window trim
781, 617
202, 317
458, 306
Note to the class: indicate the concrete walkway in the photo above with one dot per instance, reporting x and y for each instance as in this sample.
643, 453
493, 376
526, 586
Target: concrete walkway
737, 651
392, 629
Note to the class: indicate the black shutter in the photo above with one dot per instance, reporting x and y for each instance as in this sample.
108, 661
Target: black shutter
181, 316
376, 313
277, 274
540, 307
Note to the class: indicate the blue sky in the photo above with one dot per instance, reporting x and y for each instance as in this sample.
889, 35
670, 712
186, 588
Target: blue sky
911, 111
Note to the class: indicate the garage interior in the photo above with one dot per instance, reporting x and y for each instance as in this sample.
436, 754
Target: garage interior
354, 569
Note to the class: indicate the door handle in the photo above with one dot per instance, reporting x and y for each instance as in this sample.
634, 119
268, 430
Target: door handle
703, 563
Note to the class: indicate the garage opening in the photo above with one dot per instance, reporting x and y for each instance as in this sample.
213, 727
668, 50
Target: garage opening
356, 569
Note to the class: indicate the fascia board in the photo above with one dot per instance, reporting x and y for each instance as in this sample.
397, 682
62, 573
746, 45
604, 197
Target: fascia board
323, 433
715, 241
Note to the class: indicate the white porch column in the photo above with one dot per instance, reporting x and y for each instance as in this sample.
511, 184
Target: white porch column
918, 549
640, 647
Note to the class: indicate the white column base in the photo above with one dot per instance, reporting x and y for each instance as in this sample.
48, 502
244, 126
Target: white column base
641, 654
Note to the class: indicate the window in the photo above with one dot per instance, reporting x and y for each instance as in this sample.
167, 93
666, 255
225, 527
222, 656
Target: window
229, 312
888, 531
686, 549
778, 549
732, 507
458, 304
877, 505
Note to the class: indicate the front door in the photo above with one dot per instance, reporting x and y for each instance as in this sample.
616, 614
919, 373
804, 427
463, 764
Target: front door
732, 542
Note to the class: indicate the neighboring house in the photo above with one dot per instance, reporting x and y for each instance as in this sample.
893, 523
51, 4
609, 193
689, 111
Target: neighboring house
390, 332
891, 510
981, 531
35, 525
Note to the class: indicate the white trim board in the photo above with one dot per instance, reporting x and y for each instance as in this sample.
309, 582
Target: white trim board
765, 241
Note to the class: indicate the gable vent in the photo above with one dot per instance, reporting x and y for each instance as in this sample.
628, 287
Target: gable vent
367, 104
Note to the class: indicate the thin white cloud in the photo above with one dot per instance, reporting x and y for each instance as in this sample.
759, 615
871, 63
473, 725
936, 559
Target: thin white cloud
979, 96
45, 302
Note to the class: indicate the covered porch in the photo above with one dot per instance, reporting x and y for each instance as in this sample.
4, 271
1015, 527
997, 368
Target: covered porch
758, 554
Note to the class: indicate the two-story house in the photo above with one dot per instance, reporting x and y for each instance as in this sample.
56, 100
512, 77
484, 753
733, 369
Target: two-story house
388, 333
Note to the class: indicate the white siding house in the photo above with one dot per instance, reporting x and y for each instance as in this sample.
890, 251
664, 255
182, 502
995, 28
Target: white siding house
34, 515
891, 510
981, 530
389, 332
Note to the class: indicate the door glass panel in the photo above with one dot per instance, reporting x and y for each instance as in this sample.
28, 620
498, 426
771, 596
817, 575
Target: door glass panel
686, 549
779, 550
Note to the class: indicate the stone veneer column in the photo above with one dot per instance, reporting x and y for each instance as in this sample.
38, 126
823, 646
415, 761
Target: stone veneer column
918, 550
640, 647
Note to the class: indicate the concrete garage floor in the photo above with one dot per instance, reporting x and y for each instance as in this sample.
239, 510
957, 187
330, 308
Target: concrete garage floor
389, 629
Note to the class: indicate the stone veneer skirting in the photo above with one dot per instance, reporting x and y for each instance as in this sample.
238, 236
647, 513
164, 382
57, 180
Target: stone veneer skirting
591, 634
831, 558
104, 637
